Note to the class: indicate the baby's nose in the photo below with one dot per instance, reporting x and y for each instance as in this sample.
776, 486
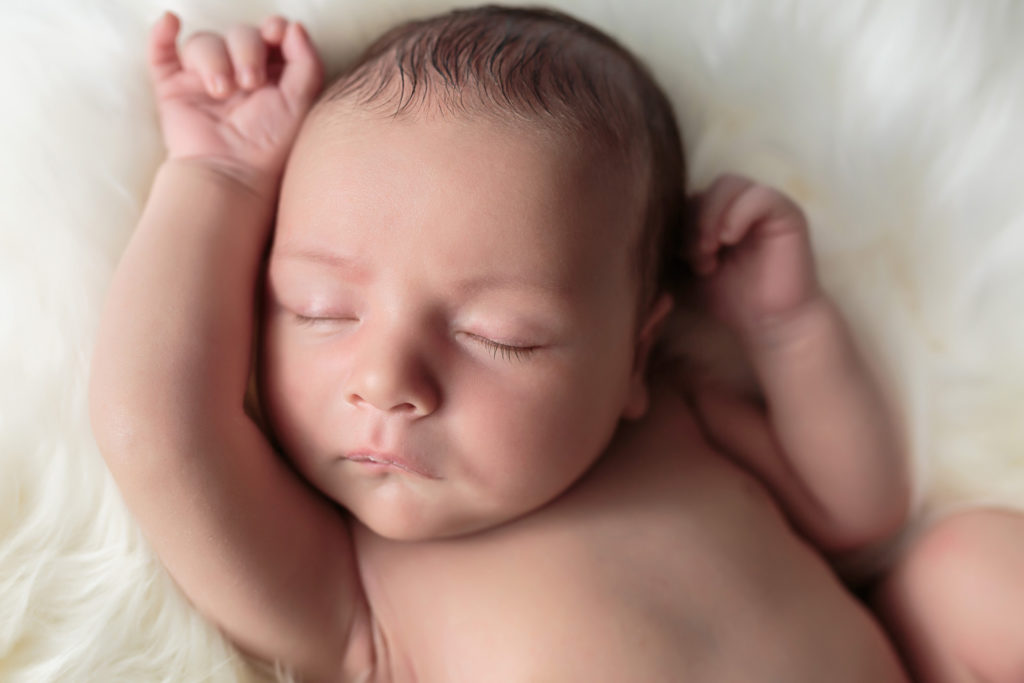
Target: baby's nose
392, 377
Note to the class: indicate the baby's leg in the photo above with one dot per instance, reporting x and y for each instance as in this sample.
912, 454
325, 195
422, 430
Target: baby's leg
955, 602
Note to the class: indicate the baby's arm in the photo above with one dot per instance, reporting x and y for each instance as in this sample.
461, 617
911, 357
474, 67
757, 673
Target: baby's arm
248, 542
835, 457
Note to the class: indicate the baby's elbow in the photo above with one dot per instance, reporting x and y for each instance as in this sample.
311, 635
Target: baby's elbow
109, 418
890, 509
882, 526
133, 435
114, 409
868, 525
116, 432
875, 508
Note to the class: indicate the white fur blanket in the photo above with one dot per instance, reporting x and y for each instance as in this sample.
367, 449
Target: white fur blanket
897, 123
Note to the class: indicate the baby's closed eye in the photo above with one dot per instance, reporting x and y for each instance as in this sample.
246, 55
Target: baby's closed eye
519, 351
324, 319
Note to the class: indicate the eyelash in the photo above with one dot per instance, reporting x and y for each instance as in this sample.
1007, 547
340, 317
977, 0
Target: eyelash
314, 320
507, 352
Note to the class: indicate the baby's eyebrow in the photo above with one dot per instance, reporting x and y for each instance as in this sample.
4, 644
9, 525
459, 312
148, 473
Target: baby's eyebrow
493, 281
329, 258
466, 286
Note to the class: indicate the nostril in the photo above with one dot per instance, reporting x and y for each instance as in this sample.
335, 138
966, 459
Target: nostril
404, 407
393, 392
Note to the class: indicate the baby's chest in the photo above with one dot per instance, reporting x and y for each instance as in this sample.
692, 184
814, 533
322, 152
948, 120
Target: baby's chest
590, 590
535, 611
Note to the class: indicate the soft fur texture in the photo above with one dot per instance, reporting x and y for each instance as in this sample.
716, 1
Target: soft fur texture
896, 123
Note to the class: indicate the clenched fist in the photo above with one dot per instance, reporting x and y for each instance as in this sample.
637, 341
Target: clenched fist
234, 101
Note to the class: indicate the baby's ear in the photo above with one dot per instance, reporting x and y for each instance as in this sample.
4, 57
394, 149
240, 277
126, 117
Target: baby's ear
637, 398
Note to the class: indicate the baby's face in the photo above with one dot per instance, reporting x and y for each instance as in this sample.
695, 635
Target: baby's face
448, 336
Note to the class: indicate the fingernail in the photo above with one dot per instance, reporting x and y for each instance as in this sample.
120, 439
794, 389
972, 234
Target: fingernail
301, 30
218, 85
247, 78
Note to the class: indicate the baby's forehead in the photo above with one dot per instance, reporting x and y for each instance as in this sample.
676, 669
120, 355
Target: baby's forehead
540, 65
339, 119
470, 159
478, 188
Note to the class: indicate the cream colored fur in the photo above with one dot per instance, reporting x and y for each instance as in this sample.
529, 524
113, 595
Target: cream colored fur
899, 124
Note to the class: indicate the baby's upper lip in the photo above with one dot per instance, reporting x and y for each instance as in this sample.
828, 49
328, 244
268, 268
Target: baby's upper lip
402, 462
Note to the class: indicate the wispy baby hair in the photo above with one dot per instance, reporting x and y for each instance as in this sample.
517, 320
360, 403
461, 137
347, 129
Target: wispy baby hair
541, 67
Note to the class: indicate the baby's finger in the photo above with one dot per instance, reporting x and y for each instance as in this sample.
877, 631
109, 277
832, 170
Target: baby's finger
162, 50
714, 202
206, 54
303, 71
273, 28
248, 56
759, 204
722, 193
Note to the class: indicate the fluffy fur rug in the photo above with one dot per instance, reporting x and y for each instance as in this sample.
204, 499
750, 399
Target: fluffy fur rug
897, 124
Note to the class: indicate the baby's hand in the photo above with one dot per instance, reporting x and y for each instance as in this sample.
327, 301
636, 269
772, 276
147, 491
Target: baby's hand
234, 101
753, 255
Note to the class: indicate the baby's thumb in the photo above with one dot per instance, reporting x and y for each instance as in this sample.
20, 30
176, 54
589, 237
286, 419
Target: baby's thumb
303, 72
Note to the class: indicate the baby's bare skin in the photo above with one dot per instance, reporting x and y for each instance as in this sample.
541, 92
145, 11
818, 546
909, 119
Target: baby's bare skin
667, 562
413, 378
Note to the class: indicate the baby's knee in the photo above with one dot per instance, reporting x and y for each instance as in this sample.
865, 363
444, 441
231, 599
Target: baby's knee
959, 591
971, 556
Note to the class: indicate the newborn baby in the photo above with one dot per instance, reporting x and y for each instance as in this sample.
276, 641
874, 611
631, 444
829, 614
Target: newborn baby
458, 260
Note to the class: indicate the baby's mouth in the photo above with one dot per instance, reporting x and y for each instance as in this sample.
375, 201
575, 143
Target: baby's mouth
388, 462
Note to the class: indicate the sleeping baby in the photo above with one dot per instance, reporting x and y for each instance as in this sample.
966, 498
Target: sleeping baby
469, 463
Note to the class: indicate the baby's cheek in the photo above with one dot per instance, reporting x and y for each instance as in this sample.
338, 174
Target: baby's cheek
496, 433
591, 405
291, 391
538, 438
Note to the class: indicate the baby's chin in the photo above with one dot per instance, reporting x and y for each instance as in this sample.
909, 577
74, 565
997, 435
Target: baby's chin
427, 527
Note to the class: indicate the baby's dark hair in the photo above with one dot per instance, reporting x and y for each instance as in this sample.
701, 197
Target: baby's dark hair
538, 66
